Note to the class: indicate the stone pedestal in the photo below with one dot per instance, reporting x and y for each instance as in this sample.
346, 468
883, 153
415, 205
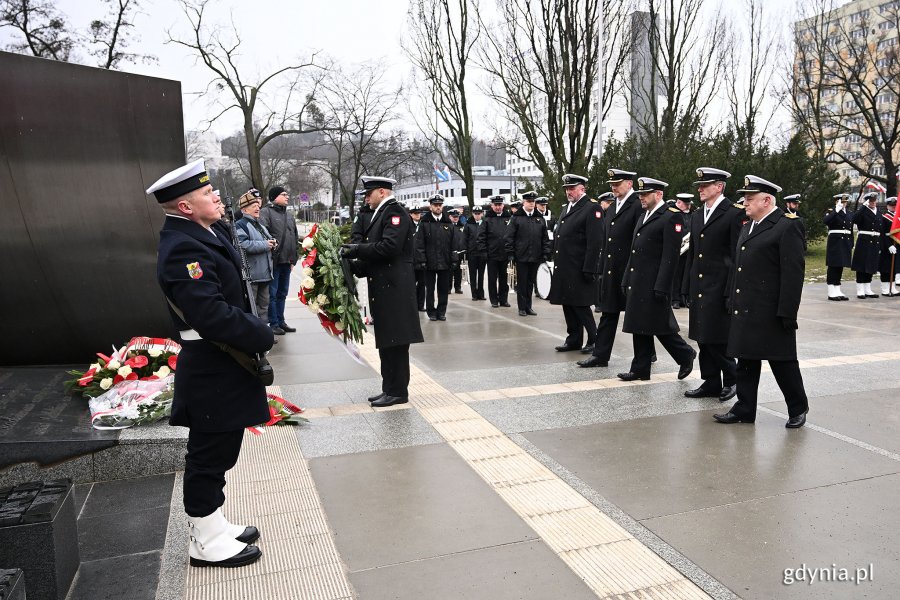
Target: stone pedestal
38, 534
12, 584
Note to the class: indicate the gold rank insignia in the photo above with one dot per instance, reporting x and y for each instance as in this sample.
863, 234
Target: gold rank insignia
746, 182
673, 209
790, 215
739, 205
640, 184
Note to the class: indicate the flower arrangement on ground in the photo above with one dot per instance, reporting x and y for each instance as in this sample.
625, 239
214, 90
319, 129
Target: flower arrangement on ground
133, 402
325, 289
282, 413
141, 359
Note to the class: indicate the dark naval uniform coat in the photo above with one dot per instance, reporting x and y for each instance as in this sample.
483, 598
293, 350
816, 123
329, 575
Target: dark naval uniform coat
360, 223
386, 254
837, 249
868, 242
577, 242
618, 229
710, 268
767, 284
887, 241
200, 273
654, 259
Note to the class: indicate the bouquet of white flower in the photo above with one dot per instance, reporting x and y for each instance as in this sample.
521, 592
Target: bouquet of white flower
133, 402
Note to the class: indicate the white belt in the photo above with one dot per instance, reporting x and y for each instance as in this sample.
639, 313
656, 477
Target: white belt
189, 335
875, 233
841, 231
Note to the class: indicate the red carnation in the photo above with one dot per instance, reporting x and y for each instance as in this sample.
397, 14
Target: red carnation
173, 360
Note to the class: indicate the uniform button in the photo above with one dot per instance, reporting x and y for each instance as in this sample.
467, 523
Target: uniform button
639, 235
610, 239
738, 291
700, 256
739, 269
633, 251
742, 247
629, 287
699, 295
700, 275
735, 312
632, 268
613, 223
701, 235
609, 256
609, 272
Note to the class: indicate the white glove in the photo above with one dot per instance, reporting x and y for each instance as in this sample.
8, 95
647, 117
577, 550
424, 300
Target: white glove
839, 207
892, 249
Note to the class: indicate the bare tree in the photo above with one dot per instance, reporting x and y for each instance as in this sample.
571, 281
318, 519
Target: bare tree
356, 107
544, 61
219, 50
751, 67
847, 86
684, 60
443, 35
116, 33
46, 31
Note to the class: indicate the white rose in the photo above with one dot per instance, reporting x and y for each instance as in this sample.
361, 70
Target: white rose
308, 243
339, 325
313, 307
322, 299
154, 353
106, 383
124, 371
308, 283
307, 272
95, 367
162, 372
113, 364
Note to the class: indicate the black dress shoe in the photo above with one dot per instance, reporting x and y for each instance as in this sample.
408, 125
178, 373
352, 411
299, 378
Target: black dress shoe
729, 418
493, 305
835, 298
566, 348
442, 318
843, 298
475, 299
701, 392
687, 367
277, 330
288, 328
390, 401
248, 555
531, 313
250, 535
871, 295
505, 304
588, 349
594, 361
457, 291
861, 297
629, 376
728, 392
653, 358
432, 318
378, 397
522, 313
797, 422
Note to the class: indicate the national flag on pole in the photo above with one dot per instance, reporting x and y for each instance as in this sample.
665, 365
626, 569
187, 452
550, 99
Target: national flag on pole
874, 185
441, 174
895, 228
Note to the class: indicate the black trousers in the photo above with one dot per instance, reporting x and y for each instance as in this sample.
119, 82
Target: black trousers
716, 368
498, 285
420, 290
863, 277
442, 279
579, 319
606, 335
787, 375
395, 370
456, 278
526, 279
476, 276
209, 456
833, 275
644, 350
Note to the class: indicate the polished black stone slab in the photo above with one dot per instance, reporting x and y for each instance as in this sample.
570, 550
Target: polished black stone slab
40, 423
12, 584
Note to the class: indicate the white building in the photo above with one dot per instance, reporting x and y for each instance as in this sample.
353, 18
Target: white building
454, 191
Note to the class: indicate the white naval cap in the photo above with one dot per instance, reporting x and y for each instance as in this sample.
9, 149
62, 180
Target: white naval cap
373, 183
792, 198
710, 175
617, 175
645, 185
570, 179
754, 184
179, 182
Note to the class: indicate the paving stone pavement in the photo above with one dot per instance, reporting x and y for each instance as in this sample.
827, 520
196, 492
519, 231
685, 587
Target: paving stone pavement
514, 474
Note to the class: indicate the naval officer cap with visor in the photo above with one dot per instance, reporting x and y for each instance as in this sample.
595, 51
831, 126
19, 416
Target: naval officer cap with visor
755, 185
179, 182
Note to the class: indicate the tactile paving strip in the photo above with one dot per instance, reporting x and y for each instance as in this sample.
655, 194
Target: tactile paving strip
271, 488
605, 556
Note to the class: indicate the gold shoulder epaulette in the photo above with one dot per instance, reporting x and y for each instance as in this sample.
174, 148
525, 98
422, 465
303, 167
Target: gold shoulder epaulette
739, 205
594, 201
790, 215
673, 209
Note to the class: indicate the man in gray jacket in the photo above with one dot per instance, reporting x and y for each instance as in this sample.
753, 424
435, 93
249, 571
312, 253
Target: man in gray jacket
257, 244
283, 227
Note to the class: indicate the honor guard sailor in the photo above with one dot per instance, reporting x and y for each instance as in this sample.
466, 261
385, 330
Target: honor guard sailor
476, 253
792, 206
868, 246
385, 258
715, 228
199, 272
764, 300
647, 283
887, 262
527, 245
837, 248
492, 237
436, 246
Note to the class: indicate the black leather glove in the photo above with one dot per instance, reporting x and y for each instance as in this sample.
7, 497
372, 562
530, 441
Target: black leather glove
350, 250
661, 295
357, 267
588, 276
789, 324
420, 266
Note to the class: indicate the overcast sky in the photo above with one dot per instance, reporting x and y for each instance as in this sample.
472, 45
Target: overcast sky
275, 32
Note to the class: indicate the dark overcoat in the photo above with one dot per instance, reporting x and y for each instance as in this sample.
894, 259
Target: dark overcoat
838, 246
618, 231
651, 269
868, 245
436, 243
579, 235
886, 242
200, 273
360, 223
386, 254
710, 268
527, 239
768, 281
492, 234
474, 245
